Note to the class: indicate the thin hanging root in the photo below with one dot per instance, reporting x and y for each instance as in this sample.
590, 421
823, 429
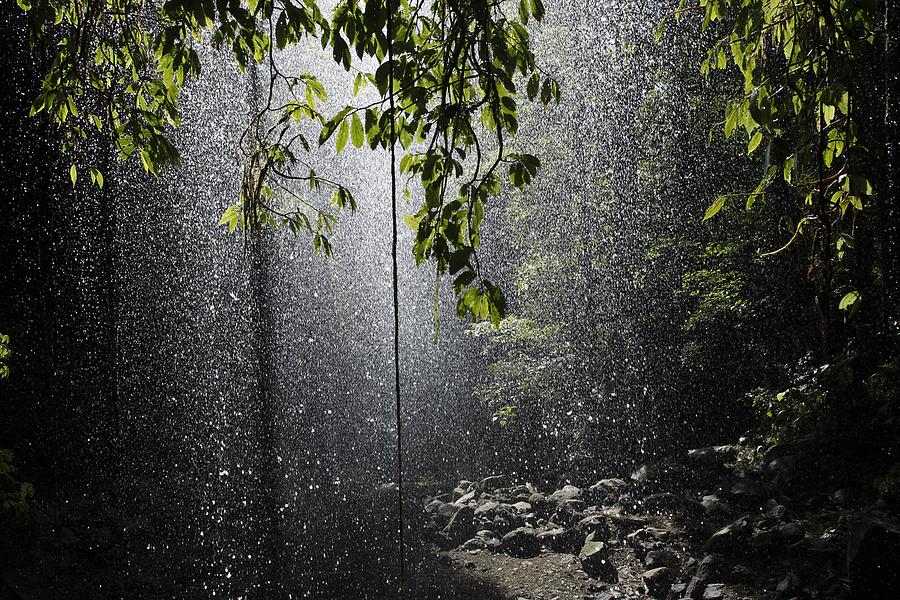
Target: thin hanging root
401, 542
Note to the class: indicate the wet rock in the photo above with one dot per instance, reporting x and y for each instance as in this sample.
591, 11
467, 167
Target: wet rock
475, 543
462, 488
873, 559
491, 484
521, 542
713, 566
663, 502
565, 494
845, 497
465, 498
662, 558
780, 535
789, 584
731, 538
485, 508
459, 528
712, 505
561, 540
569, 512
658, 581
593, 525
607, 491
775, 511
537, 500
594, 557
713, 455
522, 507
747, 488
714, 591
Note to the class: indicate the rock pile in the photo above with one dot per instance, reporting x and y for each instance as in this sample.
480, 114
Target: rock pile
698, 530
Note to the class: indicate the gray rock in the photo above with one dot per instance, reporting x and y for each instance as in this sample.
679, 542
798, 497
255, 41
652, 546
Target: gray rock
662, 558
713, 455
491, 484
566, 493
658, 581
485, 508
713, 566
873, 559
747, 488
462, 488
714, 591
594, 525
465, 498
730, 538
664, 502
607, 491
712, 505
594, 557
561, 540
460, 527
788, 585
521, 542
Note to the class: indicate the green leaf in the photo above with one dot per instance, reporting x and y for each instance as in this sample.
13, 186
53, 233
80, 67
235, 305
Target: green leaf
343, 135
849, 299
754, 142
97, 177
357, 135
359, 83
73, 174
714, 208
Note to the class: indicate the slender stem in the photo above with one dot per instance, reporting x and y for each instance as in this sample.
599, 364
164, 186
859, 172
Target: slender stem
402, 546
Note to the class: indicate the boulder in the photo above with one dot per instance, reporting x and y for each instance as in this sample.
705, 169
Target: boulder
712, 505
485, 508
607, 491
873, 559
465, 498
560, 539
594, 557
462, 488
789, 584
460, 527
714, 591
713, 566
747, 488
521, 542
593, 525
713, 455
662, 558
663, 502
658, 581
569, 512
731, 538
491, 484
564, 494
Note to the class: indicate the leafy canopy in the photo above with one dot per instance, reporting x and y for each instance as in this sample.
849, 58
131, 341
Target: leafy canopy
799, 60
121, 65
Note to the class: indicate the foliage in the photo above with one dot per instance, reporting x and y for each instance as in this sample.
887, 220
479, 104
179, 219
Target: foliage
800, 64
5, 353
14, 494
445, 76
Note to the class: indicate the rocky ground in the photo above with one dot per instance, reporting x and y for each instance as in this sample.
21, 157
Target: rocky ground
707, 526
